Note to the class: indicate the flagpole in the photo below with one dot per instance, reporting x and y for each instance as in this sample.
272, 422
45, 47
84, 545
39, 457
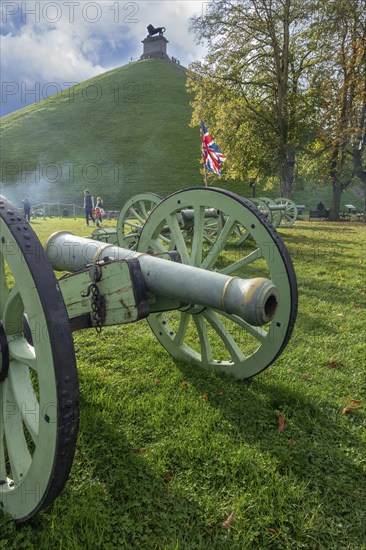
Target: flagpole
204, 165
205, 176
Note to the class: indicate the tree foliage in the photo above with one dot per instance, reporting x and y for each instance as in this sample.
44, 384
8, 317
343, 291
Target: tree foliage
341, 78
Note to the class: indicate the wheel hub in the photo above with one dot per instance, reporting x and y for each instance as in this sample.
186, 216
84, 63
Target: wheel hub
4, 355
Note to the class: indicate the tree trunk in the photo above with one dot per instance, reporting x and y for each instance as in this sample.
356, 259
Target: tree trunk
287, 180
336, 202
287, 173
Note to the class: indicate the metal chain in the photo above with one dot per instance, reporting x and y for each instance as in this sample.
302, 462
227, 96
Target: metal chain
97, 306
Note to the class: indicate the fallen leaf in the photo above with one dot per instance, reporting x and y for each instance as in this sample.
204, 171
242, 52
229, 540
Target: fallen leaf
230, 520
335, 363
184, 386
272, 531
142, 450
281, 422
356, 402
205, 396
157, 382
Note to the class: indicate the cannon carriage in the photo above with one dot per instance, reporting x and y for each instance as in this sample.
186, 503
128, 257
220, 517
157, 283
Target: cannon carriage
208, 301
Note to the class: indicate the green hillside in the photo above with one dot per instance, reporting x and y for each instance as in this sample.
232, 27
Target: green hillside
118, 134
121, 133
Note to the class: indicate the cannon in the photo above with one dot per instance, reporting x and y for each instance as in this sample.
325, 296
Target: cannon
135, 212
279, 212
208, 302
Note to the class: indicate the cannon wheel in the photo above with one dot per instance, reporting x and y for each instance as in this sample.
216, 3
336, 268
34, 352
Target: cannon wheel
262, 206
206, 337
133, 217
276, 215
289, 214
39, 399
241, 232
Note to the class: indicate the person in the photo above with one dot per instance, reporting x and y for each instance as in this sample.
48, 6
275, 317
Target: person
88, 206
99, 211
27, 207
320, 206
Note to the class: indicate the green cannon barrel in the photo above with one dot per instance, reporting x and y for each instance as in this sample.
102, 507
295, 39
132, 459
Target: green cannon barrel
253, 300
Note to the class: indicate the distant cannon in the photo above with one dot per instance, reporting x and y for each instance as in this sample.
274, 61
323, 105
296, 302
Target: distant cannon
134, 213
158, 30
209, 303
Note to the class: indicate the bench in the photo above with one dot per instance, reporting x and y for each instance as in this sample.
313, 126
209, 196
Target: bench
318, 214
351, 209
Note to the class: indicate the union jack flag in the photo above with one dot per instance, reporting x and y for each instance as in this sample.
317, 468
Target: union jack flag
212, 156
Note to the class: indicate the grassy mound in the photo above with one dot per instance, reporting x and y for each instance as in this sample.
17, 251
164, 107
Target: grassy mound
121, 133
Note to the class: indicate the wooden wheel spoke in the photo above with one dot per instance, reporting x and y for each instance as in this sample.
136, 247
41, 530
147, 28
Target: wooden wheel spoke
206, 351
18, 452
198, 236
132, 224
167, 240
143, 209
222, 331
208, 239
178, 239
157, 246
247, 260
131, 237
22, 352
25, 397
258, 333
134, 214
183, 325
239, 234
218, 245
13, 312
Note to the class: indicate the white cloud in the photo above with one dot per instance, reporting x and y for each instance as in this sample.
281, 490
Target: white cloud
71, 41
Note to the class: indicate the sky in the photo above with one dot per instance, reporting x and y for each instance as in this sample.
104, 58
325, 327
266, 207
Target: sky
47, 46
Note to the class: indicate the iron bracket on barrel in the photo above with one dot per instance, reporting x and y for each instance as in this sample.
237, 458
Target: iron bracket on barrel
105, 293
110, 292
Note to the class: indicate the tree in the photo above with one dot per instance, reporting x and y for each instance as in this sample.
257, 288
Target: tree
359, 143
253, 84
358, 96
340, 78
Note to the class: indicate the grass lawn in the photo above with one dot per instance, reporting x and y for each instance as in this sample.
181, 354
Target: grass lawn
167, 454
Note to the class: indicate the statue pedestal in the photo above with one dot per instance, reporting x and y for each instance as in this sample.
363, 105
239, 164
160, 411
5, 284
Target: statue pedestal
155, 47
